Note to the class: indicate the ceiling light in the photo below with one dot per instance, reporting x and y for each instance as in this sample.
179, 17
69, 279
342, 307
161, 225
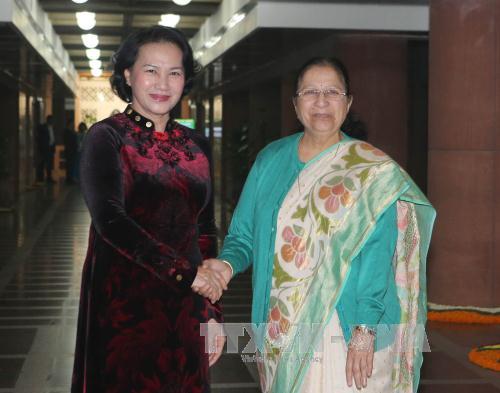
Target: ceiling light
85, 20
90, 40
169, 20
198, 54
96, 72
93, 54
212, 41
235, 19
95, 63
79, 1
182, 2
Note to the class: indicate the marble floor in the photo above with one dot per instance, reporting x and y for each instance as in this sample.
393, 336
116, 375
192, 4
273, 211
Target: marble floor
42, 248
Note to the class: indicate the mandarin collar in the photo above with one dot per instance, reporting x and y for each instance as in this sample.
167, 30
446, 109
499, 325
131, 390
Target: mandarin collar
144, 122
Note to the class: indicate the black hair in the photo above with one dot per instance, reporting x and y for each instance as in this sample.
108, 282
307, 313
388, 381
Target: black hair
332, 62
352, 125
82, 127
126, 55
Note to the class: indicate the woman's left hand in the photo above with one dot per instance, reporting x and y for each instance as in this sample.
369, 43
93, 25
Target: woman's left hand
216, 340
359, 362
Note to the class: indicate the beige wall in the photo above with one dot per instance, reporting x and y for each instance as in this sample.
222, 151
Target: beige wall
95, 100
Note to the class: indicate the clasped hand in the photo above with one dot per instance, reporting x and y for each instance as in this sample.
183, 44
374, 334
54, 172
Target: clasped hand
212, 279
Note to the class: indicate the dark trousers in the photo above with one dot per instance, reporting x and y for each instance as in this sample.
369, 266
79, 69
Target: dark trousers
70, 167
45, 164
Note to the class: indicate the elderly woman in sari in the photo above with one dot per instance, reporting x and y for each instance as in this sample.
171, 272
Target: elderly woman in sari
337, 234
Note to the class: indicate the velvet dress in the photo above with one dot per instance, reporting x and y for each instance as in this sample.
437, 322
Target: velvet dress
150, 198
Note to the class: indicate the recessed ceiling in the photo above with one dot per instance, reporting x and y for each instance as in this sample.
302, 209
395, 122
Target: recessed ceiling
115, 19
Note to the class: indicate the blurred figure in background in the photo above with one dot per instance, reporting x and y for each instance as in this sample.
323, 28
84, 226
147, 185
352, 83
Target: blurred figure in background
80, 135
70, 150
46, 147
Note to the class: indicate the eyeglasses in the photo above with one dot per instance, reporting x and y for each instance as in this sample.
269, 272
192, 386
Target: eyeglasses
313, 94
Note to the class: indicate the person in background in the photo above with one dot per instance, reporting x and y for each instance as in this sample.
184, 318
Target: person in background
147, 183
80, 135
70, 150
46, 147
337, 234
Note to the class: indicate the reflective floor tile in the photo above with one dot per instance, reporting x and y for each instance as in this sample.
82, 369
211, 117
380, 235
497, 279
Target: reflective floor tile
34, 294
235, 389
230, 368
31, 303
30, 312
458, 388
9, 372
16, 341
27, 322
36, 287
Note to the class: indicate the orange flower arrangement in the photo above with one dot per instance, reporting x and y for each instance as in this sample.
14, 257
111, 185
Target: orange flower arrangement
461, 314
463, 317
487, 356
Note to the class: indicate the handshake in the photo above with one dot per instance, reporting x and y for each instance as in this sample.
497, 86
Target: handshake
212, 279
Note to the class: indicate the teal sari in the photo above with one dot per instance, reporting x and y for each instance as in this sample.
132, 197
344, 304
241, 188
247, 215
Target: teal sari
324, 221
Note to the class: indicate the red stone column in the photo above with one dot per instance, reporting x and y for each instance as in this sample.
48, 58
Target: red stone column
378, 70
464, 159
289, 122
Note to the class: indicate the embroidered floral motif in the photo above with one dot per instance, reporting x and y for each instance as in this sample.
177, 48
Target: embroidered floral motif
143, 141
168, 146
165, 153
162, 136
372, 149
334, 196
278, 321
407, 275
294, 247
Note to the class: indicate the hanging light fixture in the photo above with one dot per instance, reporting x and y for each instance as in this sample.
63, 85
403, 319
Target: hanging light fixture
90, 40
212, 41
235, 19
169, 20
93, 54
85, 20
79, 1
96, 72
182, 2
95, 64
